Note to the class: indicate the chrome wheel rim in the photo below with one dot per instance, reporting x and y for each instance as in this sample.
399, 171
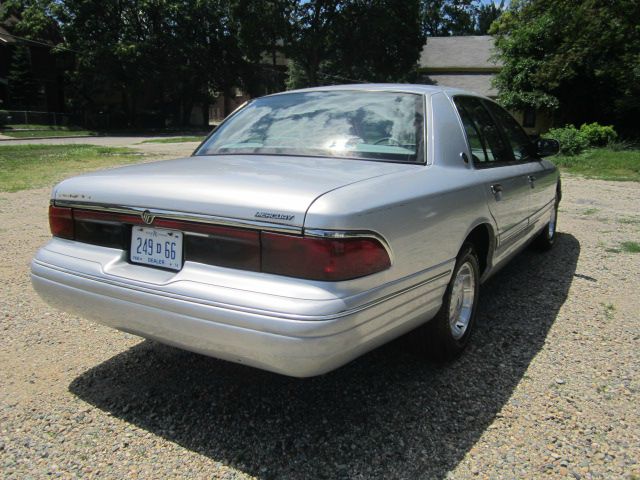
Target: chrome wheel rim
552, 223
463, 292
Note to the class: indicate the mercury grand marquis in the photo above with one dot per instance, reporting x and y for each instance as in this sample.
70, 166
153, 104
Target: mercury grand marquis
308, 228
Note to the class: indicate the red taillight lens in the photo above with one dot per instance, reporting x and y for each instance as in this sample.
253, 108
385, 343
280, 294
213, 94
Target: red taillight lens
313, 258
329, 259
61, 222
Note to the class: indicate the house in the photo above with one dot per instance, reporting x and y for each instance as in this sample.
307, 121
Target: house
467, 62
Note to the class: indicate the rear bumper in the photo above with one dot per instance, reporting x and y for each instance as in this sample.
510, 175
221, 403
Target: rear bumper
288, 344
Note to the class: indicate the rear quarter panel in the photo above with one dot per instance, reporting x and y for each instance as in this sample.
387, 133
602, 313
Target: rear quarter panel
424, 213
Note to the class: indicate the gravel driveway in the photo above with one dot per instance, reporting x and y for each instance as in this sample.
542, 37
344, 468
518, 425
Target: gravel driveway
549, 387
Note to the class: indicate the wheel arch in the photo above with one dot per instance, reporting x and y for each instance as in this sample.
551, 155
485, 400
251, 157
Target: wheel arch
559, 190
483, 238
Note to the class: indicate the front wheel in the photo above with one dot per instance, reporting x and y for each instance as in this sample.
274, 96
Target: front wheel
547, 237
447, 334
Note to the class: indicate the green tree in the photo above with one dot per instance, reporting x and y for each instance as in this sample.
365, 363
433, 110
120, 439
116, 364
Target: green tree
350, 41
35, 23
24, 89
441, 18
116, 53
307, 36
32, 19
578, 57
384, 48
165, 54
486, 14
261, 29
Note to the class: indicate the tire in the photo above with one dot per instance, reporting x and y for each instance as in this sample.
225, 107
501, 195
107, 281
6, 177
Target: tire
546, 239
440, 338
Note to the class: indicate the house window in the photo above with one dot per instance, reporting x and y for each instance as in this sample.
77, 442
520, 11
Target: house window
529, 118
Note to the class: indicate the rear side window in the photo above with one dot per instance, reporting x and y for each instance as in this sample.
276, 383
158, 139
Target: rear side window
487, 144
476, 142
520, 143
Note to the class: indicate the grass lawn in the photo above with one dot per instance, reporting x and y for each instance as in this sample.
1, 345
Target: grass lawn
32, 166
603, 163
630, 247
31, 130
46, 133
38, 126
196, 138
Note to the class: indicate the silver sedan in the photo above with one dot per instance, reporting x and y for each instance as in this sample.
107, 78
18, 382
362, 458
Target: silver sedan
310, 227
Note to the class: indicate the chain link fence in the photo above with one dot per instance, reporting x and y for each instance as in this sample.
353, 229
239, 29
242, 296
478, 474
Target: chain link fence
30, 117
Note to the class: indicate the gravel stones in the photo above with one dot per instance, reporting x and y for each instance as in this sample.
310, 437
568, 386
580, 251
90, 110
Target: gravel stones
548, 388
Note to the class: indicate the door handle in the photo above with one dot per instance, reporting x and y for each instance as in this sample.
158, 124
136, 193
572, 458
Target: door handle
496, 188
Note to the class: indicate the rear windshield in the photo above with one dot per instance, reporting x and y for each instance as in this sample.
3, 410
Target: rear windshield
384, 126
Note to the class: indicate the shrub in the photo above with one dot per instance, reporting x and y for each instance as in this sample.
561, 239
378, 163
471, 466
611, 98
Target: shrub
621, 145
572, 142
4, 117
598, 135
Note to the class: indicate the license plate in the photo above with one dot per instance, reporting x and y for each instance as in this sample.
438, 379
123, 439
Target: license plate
157, 247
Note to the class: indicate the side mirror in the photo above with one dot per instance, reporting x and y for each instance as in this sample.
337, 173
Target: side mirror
546, 147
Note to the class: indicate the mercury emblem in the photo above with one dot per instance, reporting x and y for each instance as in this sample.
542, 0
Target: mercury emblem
147, 217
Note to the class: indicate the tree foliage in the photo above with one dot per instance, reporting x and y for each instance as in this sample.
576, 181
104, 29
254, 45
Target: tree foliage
384, 48
169, 53
486, 14
161, 58
307, 34
24, 90
329, 42
579, 57
448, 17
32, 19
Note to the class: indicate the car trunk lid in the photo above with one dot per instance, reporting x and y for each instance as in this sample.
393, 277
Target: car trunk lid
257, 188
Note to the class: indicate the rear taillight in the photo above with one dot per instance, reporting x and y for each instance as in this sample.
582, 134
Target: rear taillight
329, 259
61, 222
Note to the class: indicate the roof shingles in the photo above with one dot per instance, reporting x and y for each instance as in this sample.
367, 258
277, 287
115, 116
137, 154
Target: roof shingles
459, 53
461, 62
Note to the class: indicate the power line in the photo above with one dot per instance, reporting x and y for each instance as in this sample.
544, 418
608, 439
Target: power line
337, 77
37, 42
319, 73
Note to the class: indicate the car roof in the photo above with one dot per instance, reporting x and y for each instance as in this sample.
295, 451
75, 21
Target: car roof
388, 87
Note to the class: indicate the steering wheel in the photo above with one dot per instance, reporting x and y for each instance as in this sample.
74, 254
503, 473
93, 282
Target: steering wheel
389, 140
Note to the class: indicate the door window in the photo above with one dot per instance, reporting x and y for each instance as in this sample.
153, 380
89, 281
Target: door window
476, 142
518, 139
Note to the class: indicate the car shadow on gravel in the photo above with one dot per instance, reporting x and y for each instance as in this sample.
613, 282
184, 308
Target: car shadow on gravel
386, 414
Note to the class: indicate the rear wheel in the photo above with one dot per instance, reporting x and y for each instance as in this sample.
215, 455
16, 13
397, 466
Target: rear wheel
447, 334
